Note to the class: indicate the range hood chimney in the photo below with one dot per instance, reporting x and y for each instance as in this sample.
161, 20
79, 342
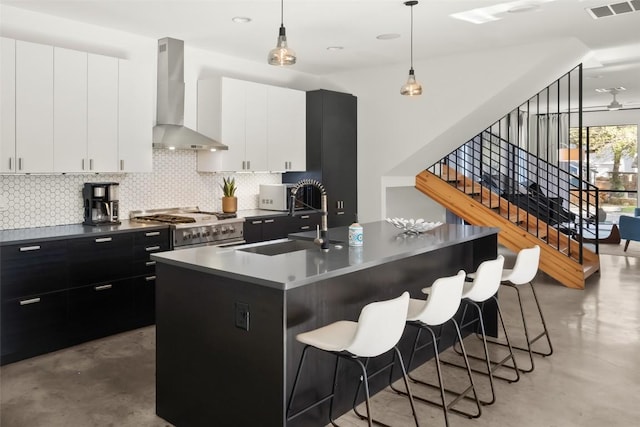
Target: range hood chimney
170, 131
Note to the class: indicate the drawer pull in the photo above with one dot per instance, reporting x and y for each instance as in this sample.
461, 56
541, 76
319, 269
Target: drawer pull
30, 301
150, 278
103, 287
104, 239
305, 227
152, 233
152, 248
340, 213
269, 221
29, 248
304, 217
256, 222
150, 263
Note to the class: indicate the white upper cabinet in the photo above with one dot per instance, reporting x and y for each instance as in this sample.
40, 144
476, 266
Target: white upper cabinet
287, 129
102, 113
69, 111
233, 112
34, 107
238, 114
66, 111
135, 122
255, 126
7, 105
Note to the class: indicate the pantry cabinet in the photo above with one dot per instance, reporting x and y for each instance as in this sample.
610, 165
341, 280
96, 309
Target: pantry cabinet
262, 125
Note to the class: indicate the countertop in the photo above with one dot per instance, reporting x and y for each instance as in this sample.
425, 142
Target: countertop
382, 243
70, 231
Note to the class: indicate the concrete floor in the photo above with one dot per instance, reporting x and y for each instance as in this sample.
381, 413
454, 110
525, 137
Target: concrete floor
592, 379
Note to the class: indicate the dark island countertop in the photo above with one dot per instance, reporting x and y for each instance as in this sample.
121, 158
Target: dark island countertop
70, 231
383, 243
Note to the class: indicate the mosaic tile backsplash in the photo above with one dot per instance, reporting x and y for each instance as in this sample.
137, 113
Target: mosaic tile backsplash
44, 200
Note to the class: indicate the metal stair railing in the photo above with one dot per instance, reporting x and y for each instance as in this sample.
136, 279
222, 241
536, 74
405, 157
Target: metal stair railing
519, 160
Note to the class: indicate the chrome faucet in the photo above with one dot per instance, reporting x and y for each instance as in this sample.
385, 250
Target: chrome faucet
321, 239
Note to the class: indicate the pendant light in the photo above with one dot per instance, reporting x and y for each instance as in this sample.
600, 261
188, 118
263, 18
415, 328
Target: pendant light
411, 87
281, 54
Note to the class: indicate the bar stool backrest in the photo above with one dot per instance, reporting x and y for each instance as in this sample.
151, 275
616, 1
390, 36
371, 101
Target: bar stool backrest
380, 327
526, 266
443, 301
487, 280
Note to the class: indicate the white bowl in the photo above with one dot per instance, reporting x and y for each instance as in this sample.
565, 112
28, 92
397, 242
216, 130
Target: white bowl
413, 226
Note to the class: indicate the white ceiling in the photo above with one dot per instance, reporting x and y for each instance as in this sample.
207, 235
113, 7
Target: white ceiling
314, 25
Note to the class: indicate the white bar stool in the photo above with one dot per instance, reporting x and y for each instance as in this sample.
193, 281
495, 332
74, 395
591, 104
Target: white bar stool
377, 331
486, 281
437, 310
523, 272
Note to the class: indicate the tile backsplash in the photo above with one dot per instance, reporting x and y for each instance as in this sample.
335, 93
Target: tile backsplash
43, 200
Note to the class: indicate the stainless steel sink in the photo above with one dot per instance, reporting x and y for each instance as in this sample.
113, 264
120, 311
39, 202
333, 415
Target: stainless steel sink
282, 247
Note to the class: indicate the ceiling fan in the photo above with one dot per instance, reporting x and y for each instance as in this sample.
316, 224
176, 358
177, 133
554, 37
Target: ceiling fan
614, 104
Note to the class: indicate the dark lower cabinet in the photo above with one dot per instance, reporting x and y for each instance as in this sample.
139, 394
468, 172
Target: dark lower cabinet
99, 310
144, 300
33, 325
63, 292
260, 229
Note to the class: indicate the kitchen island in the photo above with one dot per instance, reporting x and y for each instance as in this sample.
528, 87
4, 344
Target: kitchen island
226, 318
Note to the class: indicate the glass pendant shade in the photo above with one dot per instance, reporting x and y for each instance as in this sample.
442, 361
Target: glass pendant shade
282, 55
411, 87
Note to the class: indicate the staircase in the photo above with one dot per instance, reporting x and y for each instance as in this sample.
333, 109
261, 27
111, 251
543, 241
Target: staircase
504, 178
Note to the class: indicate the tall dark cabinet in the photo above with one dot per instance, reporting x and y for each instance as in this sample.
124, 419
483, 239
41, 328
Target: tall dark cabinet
332, 138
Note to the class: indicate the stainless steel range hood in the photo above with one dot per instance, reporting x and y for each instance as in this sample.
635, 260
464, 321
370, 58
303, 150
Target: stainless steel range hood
170, 131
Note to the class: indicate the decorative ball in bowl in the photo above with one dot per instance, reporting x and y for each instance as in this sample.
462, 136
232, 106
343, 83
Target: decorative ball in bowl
413, 226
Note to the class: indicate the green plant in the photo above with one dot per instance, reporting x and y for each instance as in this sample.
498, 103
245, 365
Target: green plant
228, 187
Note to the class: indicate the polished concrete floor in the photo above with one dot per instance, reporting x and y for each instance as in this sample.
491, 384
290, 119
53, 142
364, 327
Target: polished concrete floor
592, 379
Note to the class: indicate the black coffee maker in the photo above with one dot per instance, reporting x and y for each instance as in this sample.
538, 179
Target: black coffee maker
100, 203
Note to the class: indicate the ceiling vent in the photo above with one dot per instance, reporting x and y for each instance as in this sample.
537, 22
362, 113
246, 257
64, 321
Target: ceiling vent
614, 9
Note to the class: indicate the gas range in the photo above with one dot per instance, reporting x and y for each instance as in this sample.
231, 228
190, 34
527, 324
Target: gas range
191, 227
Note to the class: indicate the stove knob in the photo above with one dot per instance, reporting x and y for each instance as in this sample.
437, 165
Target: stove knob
231, 229
224, 230
216, 231
206, 233
186, 235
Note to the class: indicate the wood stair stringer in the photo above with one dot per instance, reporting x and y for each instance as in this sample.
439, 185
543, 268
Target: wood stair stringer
564, 269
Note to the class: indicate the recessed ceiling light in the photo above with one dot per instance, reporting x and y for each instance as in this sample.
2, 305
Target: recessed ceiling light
597, 76
389, 36
334, 48
241, 19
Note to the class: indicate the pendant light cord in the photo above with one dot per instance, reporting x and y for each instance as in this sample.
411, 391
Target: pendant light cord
282, 13
411, 37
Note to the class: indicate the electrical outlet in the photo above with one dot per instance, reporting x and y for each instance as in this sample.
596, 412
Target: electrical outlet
242, 315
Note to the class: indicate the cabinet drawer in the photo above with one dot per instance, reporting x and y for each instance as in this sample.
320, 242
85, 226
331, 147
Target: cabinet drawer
31, 269
144, 246
100, 309
100, 259
144, 300
304, 222
151, 237
32, 326
144, 267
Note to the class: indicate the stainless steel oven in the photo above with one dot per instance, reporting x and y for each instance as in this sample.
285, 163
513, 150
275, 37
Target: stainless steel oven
191, 227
